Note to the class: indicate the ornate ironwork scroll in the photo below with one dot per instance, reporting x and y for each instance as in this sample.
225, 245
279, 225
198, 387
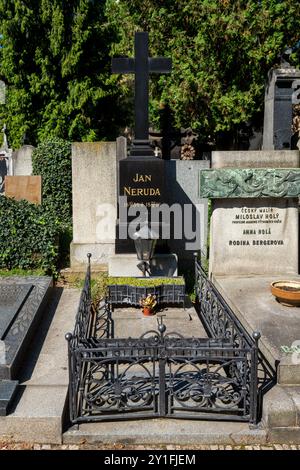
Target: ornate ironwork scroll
163, 374
221, 323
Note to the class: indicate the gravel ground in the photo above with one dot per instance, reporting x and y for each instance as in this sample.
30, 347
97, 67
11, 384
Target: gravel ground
5, 445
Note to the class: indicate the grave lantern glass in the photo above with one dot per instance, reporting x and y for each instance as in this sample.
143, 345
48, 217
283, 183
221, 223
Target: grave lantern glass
145, 241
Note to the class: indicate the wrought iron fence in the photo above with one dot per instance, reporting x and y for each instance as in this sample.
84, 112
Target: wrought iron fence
163, 374
221, 323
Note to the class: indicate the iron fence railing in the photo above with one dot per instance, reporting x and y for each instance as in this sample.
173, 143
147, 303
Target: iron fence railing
221, 323
164, 374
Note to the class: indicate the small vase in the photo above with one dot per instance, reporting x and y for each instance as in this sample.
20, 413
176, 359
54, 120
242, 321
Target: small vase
147, 312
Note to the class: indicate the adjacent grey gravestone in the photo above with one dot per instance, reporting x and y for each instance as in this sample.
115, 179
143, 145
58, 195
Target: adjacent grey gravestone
182, 181
22, 161
278, 115
2, 92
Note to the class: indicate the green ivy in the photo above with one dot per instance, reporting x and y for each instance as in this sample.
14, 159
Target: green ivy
29, 236
52, 160
145, 282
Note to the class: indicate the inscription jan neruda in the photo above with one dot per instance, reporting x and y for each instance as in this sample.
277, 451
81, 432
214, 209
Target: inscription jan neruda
255, 234
143, 191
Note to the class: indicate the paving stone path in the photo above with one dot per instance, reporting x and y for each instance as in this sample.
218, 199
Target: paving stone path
26, 446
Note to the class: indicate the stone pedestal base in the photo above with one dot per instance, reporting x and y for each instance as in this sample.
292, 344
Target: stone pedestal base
126, 265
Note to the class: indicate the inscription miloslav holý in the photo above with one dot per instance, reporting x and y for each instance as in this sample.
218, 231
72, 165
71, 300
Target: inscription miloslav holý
258, 227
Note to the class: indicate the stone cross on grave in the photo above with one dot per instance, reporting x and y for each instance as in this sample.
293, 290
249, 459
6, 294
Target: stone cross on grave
142, 65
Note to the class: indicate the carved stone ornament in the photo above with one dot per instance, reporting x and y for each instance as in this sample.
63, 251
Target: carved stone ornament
243, 183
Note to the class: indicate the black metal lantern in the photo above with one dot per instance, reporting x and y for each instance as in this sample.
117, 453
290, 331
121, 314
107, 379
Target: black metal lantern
145, 241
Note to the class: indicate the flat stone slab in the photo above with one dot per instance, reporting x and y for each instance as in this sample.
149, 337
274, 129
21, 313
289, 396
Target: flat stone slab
23, 312
39, 406
165, 431
257, 309
11, 300
130, 322
126, 265
255, 159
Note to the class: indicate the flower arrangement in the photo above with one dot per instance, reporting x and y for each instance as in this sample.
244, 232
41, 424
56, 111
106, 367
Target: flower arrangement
148, 303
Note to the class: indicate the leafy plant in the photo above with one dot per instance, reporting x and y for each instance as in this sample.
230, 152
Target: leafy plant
145, 282
221, 52
52, 160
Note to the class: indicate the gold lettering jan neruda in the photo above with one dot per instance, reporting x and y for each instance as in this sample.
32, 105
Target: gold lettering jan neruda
128, 191
142, 178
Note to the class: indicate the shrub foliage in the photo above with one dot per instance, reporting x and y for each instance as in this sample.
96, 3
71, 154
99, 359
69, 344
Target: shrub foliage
52, 160
28, 236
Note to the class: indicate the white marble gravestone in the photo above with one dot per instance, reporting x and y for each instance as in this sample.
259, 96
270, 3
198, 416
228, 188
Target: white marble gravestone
254, 224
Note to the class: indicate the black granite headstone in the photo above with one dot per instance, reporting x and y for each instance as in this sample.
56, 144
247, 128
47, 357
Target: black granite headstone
142, 182
141, 176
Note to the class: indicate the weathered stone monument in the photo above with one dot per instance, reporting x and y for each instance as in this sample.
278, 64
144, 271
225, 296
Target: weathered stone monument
22, 161
281, 96
254, 241
2, 92
94, 189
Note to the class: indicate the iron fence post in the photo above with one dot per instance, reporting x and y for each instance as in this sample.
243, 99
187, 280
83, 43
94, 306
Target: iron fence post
161, 350
254, 379
89, 255
162, 382
69, 338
